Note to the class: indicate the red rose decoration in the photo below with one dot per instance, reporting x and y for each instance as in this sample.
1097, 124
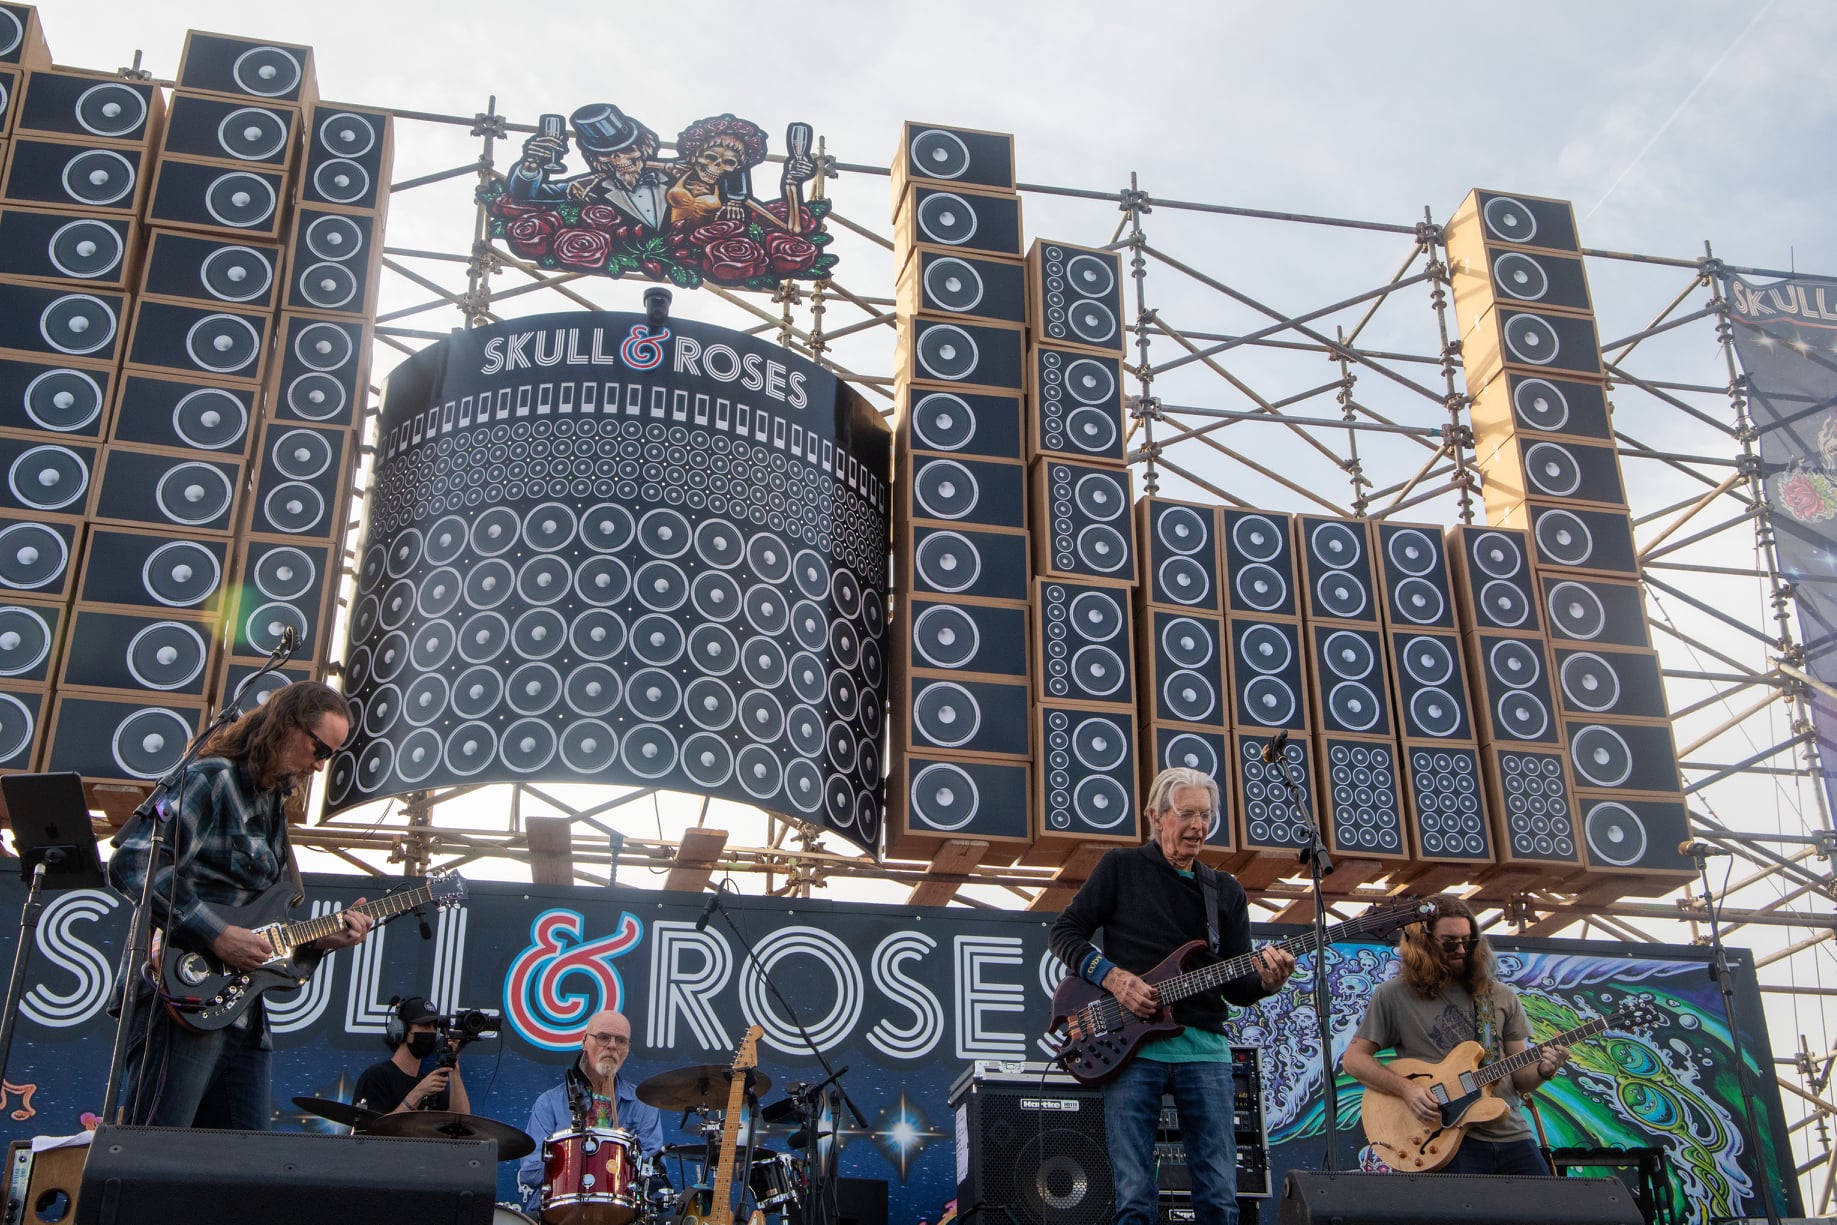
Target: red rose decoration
507, 208
1801, 498
716, 231
532, 236
789, 253
600, 217
583, 248
736, 259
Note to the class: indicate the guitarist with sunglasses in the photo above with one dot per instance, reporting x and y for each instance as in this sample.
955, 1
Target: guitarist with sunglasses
227, 845
1445, 994
1148, 901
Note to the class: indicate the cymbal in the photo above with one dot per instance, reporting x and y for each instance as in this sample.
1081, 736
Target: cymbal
446, 1125
699, 1152
358, 1117
702, 1087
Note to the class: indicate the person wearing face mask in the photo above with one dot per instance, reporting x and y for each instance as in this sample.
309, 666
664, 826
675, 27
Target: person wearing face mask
396, 1084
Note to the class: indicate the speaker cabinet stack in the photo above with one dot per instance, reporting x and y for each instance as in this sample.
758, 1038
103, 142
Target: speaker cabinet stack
1445, 800
1545, 448
1181, 648
962, 677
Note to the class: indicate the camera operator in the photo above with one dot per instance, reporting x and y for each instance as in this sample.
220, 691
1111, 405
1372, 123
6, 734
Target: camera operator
416, 1032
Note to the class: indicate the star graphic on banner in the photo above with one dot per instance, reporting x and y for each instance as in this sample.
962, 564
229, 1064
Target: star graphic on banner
902, 1133
1766, 340
1799, 344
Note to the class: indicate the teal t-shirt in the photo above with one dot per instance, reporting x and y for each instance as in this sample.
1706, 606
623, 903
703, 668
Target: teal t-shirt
1191, 1045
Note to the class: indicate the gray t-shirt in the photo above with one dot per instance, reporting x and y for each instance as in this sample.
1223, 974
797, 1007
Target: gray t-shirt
1415, 1028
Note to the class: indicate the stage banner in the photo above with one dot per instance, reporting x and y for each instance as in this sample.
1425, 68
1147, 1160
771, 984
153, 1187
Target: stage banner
905, 999
1785, 335
597, 553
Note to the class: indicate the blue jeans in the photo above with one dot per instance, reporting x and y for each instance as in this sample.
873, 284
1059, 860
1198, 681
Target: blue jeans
177, 1078
1204, 1095
1498, 1157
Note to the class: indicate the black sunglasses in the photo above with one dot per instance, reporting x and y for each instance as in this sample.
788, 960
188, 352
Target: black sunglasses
321, 750
1456, 942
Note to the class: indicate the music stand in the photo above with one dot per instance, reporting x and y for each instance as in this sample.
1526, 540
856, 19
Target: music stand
56, 845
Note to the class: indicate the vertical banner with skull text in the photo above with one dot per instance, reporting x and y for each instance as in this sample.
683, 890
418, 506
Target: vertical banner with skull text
597, 553
1786, 337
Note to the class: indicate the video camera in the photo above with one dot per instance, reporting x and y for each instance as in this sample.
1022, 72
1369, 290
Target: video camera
454, 1030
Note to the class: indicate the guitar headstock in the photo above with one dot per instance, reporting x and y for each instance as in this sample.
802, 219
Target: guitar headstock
1387, 917
747, 1056
446, 888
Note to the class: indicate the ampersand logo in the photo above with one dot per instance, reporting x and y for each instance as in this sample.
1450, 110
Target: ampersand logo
562, 978
643, 349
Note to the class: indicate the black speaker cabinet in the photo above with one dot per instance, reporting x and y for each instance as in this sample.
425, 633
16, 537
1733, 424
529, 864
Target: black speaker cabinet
1076, 403
194, 493
1626, 683
1525, 466
30, 635
1087, 775
22, 40
22, 726
1037, 1151
247, 67
47, 478
1086, 641
230, 130
281, 585
976, 492
959, 353
1413, 575
1311, 1198
153, 570
972, 221
1183, 667
961, 423
1619, 755
1178, 545
1493, 581
211, 270
965, 562
1082, 527
1533, 804
1361, 799
1518, 220
299, 481
215, 342
1530, 342
140, 1175
1513, 689
1633, 835
66, 245
980, 718
954, 157
1445, 796
349, 153
1487, 275
124, 737
1432, 699
10, 80
186, 414
88, 108
946, 282
332, 261
1277, 797
1595, 610
1268, 674
57, 173
1351, 673
318, 374
37, 555
219, 198
1077, 296
60, 321
259, 691
1259, 564
114, 650
982, 639
933, 798
1536, 404
1199, 749
1336, 563
68, 398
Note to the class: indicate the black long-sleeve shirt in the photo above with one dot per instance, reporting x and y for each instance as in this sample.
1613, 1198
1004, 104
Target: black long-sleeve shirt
1146, 909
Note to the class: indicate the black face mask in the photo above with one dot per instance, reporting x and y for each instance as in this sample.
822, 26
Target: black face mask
420, 1046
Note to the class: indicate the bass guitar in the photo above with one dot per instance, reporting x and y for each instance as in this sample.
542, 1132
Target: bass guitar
715, 1206
204, 993
1097, 1035
1465, 1094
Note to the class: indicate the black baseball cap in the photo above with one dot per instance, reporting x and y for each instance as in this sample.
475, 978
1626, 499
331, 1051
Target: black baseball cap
416, 1011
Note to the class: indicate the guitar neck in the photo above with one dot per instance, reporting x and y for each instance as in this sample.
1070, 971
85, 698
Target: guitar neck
1531, 1054
1216, 975
721, 1207
308, 930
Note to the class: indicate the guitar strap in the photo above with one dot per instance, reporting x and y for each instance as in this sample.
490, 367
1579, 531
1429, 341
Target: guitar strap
1208, 885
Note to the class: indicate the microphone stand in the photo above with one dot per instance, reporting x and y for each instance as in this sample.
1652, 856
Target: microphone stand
1320, 863
822, 1214
1724, 979
140, 929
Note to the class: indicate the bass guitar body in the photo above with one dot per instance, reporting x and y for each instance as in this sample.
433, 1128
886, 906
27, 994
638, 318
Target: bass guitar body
1408, 1145
1101, 1035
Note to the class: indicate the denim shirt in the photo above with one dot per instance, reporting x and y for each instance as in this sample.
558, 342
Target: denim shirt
550, 1114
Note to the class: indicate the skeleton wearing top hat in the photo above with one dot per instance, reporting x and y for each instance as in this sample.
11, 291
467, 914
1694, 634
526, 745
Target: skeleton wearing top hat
618, 150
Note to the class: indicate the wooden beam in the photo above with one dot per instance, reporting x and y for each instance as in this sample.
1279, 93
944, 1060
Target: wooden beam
1073, 871
953, 858
551, 850
695, 860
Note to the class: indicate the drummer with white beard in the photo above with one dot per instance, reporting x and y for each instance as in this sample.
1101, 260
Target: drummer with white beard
591, 1094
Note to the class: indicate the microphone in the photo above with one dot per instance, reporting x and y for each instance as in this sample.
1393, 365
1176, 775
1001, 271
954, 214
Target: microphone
1696, 848
708, 909
1272, 749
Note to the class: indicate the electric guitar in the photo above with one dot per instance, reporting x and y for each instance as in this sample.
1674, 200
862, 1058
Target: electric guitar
715, 1207
1097, 1035
204, 993
1465, 1093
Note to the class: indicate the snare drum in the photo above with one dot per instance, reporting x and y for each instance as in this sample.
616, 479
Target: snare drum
773, 1182
590, 1177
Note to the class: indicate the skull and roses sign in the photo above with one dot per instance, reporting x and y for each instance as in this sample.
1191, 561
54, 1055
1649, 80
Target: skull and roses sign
684, 221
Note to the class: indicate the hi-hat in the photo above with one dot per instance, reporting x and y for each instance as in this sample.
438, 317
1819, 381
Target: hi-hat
357, 1117
446, 1125
702, 1087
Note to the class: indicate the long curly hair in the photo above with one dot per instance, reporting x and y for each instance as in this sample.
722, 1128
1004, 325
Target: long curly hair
696, 137
1423, 968
257, 738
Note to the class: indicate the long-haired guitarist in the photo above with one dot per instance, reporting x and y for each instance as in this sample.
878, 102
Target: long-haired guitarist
1148, 901
1445, 994
228, 845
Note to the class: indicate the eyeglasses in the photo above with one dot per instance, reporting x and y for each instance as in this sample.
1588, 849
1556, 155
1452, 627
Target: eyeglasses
1191, 814
614, 1040
321, 750
1453, 944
